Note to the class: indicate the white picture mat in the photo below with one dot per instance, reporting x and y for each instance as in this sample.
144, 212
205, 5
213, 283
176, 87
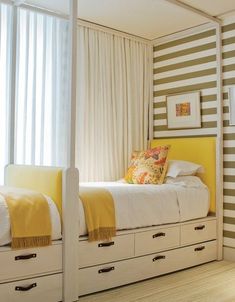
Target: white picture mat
191, 121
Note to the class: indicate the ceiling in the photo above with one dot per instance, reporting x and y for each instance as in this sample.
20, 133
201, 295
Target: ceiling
149, 19
212, 7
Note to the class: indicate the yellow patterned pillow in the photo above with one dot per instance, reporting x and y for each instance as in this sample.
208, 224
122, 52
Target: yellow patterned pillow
148, 167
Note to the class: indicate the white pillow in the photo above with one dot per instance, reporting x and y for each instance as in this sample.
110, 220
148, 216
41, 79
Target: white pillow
186, 181
183, 168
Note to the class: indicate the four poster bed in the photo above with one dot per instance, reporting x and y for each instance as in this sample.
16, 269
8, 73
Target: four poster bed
33, 274
144, 252
73, 267
46, 273
135, 253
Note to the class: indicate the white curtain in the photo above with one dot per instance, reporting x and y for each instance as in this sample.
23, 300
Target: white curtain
114, 92
5, 75
41, 89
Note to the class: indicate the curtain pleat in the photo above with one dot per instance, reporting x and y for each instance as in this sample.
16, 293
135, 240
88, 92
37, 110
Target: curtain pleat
113, 95
42, 89
5, 83
113, 99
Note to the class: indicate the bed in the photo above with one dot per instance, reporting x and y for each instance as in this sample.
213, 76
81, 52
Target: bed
150, 205
33, 274
182, 234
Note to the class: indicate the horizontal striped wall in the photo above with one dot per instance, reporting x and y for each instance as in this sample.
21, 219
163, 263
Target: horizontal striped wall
189, 64
186, 64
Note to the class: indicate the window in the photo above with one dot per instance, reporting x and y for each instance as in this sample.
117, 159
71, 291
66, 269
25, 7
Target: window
5, 89
41, 89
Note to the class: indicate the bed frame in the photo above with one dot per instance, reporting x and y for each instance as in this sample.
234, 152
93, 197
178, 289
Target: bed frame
143, 253
34, 274
133, 255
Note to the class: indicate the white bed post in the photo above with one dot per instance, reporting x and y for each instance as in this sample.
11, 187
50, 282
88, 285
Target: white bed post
151, 110
70, 179
219, 146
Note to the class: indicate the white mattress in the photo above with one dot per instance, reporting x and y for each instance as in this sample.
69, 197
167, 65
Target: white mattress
5, 230
180, 199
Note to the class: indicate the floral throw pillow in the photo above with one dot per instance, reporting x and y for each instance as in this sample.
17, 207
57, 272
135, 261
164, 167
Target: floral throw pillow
148, 167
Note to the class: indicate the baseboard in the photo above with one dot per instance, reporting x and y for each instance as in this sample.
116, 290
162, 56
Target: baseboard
229, 254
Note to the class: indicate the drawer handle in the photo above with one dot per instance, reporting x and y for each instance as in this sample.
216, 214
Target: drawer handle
106, 270
200, 227
25, 288
105, 244
161, 234
159, 258
200, 248
25, 257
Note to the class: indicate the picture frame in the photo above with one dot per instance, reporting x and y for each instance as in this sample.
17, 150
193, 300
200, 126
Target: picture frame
231, 98
184, 110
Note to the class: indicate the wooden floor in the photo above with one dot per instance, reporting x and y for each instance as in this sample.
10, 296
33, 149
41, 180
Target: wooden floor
212, 282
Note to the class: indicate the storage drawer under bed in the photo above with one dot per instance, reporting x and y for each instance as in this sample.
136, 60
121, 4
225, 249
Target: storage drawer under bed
93, 253
114, 274
47, 288
198, 232
156, 240
18, 264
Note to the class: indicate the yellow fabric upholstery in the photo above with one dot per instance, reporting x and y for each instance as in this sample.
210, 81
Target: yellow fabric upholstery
200, 150
46, 180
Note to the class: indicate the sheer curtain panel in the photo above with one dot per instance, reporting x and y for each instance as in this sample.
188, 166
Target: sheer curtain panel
5, 89
41, 89
114, 92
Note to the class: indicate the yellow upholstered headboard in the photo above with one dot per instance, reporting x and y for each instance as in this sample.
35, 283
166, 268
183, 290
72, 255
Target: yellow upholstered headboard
46, 180
200, 150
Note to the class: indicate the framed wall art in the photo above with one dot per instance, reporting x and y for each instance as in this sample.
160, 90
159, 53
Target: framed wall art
184, 111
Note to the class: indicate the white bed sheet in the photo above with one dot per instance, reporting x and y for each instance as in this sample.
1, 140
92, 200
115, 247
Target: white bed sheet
136, 206
5, 229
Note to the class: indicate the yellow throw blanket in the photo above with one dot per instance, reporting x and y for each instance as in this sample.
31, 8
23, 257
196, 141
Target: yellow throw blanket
99, 213
29, 217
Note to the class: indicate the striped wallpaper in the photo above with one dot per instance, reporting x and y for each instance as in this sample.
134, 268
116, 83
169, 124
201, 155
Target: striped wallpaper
189, 64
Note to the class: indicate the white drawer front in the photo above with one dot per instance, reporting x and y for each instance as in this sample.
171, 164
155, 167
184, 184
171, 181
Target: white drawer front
92, 253
157, 240
114, 274
16, 264
98, 278
198, 232
198, 254
48, 288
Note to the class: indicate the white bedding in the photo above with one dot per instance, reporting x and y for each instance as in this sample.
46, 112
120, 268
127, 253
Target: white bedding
179, 199
5, 233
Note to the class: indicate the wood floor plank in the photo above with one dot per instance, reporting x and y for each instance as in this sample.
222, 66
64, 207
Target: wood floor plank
212, 282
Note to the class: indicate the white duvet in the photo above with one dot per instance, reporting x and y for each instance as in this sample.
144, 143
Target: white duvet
179, 199
5, 230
